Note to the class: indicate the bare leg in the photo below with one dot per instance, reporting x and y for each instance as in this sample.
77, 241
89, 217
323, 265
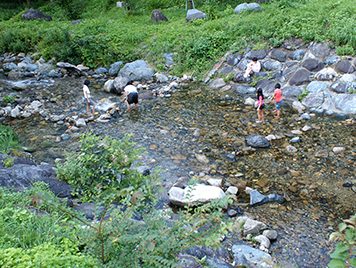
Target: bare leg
94, 109
262, 116
278, 114
128, 106
136, 105
87, 109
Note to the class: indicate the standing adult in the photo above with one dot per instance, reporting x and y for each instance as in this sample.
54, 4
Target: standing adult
131, 96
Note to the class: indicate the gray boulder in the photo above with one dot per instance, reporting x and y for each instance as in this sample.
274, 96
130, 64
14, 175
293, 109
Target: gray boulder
320, 50
233, 59
345, 66
258, 199
259, 54
313, 100
129, 67
312, 65
299, 77
9, 66
168, 57
279, 55
345, 102
157, 15
195, 14
316, 86
244, 6
271, 65
33, 14
100, 70
119, 84
291, 92
332, 60
247, 256
242, 89
297, 54
257, 141
142, 74
115, 68
342, 87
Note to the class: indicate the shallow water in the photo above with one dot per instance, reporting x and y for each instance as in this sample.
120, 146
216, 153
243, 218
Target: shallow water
200, 120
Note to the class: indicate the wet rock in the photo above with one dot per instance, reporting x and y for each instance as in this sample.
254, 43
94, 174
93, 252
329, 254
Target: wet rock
233, 59
258, 199
270, 234
215, 182
322, 154
202, 158
312, 65
109, 86
295, 140
348, 78
115, 68
259, 54
145, 171
306, 128
264, 241
291, 149
161, 78
80, 122
257, 141
56, 118
345, 103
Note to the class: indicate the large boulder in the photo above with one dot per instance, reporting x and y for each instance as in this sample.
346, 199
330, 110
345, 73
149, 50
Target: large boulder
297, 54
244, 6
142, 74
299, 77
195, 14
119, 84
313, 100
246, 256
115, 68
291, 92
157, 15
279, 55
316, 86
345, 102
345, 66
23, 175
195, 195
33, 14
129, 67
312, 65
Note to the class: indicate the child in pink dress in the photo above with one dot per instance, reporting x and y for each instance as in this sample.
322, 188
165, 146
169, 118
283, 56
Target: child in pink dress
260, 106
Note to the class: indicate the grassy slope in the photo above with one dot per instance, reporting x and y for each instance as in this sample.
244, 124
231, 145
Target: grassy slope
108, 36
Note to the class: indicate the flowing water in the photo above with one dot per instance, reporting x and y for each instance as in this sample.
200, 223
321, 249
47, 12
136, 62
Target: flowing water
202, 121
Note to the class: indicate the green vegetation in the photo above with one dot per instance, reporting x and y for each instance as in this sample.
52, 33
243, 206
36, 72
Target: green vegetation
108, 34
38, 230
8, 139
345, 250
302, 95
8, 99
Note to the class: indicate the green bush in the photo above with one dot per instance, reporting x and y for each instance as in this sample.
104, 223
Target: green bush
102, 166
8, 139
345, 250
345, 50
45, 255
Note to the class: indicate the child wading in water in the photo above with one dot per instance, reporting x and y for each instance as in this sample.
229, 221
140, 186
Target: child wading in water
277, 95
260, 106
87, 96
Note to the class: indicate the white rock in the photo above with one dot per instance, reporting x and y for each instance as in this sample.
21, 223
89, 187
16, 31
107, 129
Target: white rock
296, 132
270, 234
109, 85
248, 190
253, 227
263, 240
197, 194
348, 78
202, 158
232, 190
306, 128
338, 149
15, 112
214, 182
291, 149
80, 122
298, 106
250, 102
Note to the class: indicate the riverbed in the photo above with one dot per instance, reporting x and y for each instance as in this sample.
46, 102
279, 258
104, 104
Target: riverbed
199, 120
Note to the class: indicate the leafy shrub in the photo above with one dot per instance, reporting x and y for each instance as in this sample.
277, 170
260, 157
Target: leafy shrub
345, 250
302, 95
8, 99
117, 240
345, 50
102, 166
45, 255
8, 139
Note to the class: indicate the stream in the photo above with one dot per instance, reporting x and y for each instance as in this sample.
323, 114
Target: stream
201, 120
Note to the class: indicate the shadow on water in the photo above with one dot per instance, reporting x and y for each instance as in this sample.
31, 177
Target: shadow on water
202, 121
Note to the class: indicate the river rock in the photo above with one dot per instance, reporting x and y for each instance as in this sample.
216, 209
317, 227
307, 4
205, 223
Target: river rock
257, 141
295, 140
202, 158
270, 234
345, 66
326, 74
232, 190
217, 83
338, 149
348, 78
257, 199
297, 54
32, 14
316, 86
161, 78
214, 182
119, 84
233, 59
195, 195
109, 86
313, 100
246, 256
291, 149
264, 241
80, 122
115, 68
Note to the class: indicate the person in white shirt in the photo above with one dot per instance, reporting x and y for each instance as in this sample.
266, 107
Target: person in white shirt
254, 66
87, 98
131, 96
